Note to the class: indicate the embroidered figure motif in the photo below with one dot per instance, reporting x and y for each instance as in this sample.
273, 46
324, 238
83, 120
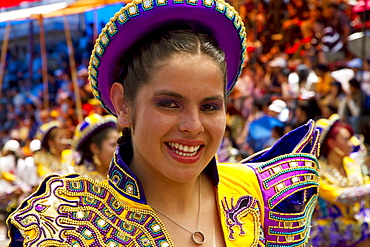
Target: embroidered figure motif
40, 217
77, 212
234, 212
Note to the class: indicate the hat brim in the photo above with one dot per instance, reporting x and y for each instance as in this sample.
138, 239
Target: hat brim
92, 130
138, 18
324, 126
44, 132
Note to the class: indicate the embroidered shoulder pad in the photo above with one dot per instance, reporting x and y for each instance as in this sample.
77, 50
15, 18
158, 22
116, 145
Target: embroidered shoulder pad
288, 176
77, 211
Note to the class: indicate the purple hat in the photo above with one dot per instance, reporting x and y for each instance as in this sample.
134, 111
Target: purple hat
214, 17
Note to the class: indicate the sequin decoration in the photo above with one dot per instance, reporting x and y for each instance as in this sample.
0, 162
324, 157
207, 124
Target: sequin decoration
77, 211
236, 210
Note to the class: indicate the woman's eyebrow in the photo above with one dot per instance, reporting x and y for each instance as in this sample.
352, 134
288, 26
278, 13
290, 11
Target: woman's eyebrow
179, 96
168, 93
216, 97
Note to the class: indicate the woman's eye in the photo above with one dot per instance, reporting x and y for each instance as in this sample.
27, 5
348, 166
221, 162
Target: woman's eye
168, 104
210, 107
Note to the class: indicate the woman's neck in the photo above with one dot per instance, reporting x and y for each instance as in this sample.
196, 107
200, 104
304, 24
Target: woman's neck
168, 195
335, 160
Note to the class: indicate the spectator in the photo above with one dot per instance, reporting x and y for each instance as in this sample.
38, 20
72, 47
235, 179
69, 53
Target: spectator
276, 15
323, 84
306, 109
315, 14
335, 96
2, 115
340, 23
276, 65
298, 11
286, 92
260, 130
351, 109
327, 43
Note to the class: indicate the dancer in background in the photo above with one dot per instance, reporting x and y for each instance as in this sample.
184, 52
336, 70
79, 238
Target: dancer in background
95, 140
342, 214
53, 141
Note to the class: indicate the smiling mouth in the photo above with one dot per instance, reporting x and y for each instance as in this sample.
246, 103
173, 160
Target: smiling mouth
183, 150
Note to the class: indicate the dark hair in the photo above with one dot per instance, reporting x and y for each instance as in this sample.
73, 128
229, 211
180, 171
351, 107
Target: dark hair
285, 72
310, 107
322, 67
338, 85
319, 8
333, 132
333, 5
279, 130
51, 136
150, 54
96, 138
147, 56
354, 83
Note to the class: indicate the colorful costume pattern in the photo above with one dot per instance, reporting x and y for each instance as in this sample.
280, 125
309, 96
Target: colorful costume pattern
341, 216
268, 201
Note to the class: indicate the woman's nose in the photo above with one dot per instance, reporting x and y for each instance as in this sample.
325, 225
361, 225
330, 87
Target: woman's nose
191, 122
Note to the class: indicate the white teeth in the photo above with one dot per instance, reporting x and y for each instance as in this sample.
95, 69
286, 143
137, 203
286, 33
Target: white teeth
185, 150
185, 154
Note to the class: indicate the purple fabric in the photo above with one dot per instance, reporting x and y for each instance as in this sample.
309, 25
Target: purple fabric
208, 18
289, 186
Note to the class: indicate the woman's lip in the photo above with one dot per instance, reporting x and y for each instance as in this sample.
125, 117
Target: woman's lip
185, 159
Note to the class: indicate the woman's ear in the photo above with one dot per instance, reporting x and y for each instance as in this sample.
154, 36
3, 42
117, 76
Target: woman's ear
120, 104
94, 148
331, 143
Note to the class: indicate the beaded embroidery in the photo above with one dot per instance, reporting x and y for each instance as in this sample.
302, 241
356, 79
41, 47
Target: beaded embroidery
284, 176
235, 211
76, 211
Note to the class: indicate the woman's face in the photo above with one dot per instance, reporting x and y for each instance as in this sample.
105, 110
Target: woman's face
108, 147
60, 142
179, 119
342, 141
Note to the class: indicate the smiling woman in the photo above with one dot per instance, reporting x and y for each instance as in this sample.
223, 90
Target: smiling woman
164, 69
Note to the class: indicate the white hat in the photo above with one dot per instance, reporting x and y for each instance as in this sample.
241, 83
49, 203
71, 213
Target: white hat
11, 145
277, 106
279, 62
35, 145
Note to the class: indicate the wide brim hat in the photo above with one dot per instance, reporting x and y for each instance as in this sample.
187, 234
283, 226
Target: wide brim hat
325, 124
89, 126
44, 131
140, 17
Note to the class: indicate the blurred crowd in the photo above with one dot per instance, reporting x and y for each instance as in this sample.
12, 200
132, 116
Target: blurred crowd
300, 65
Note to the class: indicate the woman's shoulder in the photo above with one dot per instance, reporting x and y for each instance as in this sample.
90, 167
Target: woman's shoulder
73, 209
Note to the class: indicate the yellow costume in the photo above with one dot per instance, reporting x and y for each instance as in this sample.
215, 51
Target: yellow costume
267, 200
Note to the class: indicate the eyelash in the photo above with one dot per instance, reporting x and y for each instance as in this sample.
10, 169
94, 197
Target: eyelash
167, 104
215, 107
172, 105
